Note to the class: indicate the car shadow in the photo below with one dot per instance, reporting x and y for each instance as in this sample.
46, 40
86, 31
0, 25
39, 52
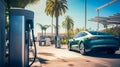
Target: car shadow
104, 55
101, 55
62, 48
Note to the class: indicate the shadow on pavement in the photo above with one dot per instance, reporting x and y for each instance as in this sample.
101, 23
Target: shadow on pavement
104, 55
60, 48
41, 60
46, 54
101, 55
44, 61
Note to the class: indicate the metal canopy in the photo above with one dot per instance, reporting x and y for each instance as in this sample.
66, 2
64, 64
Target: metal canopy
115, 19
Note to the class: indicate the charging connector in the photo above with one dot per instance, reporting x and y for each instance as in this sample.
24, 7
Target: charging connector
31, 27
35, 55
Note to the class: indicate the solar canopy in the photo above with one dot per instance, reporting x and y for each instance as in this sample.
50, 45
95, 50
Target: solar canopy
115, 19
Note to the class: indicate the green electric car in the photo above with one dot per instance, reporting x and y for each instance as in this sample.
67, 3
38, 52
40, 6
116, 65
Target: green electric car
88, 41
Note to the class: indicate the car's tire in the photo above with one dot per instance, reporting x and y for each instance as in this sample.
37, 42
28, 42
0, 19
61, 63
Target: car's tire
82, 49
69, 46
110, 52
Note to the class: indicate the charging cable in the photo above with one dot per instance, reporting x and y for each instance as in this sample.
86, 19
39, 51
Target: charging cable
35, 55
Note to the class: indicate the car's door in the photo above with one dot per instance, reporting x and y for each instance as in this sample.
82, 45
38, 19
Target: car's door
73, 39
77, 38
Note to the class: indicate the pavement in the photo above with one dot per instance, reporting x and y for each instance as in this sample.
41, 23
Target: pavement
46, 54
49, 56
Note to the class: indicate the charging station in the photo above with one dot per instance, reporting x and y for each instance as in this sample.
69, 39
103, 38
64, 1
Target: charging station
2, 33
21, 22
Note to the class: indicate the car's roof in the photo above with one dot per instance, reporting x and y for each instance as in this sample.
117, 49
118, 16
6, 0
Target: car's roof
98, 33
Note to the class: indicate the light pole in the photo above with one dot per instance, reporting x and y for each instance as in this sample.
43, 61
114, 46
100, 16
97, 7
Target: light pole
85, 7
98, 20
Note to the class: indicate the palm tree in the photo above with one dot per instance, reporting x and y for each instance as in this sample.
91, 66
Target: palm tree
56, 8
68, 24
48, 10
43, 27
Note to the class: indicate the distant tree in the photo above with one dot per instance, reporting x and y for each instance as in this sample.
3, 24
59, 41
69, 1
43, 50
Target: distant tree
77, 30
43, 27
71, 32
68, 24
56, 8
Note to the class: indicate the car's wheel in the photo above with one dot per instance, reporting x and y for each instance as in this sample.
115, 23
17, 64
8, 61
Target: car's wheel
69, 46
82, 49
110, 52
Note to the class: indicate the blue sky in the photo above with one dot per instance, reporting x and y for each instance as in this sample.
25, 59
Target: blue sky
76, 11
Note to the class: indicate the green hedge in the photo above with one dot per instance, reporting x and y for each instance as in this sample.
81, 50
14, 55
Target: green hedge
64, 41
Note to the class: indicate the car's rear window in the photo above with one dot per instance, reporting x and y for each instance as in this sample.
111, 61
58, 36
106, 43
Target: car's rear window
98, 33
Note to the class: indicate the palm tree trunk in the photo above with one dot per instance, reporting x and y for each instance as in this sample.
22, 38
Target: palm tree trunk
85, 14
56, 11
68, 30
57, 35
56, 15
52, 27
68, 33
56, 26
42, 32
57, 30
45, 32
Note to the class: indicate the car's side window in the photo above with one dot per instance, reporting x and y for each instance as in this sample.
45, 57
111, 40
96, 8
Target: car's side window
84, 34
80, 34
75, 36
